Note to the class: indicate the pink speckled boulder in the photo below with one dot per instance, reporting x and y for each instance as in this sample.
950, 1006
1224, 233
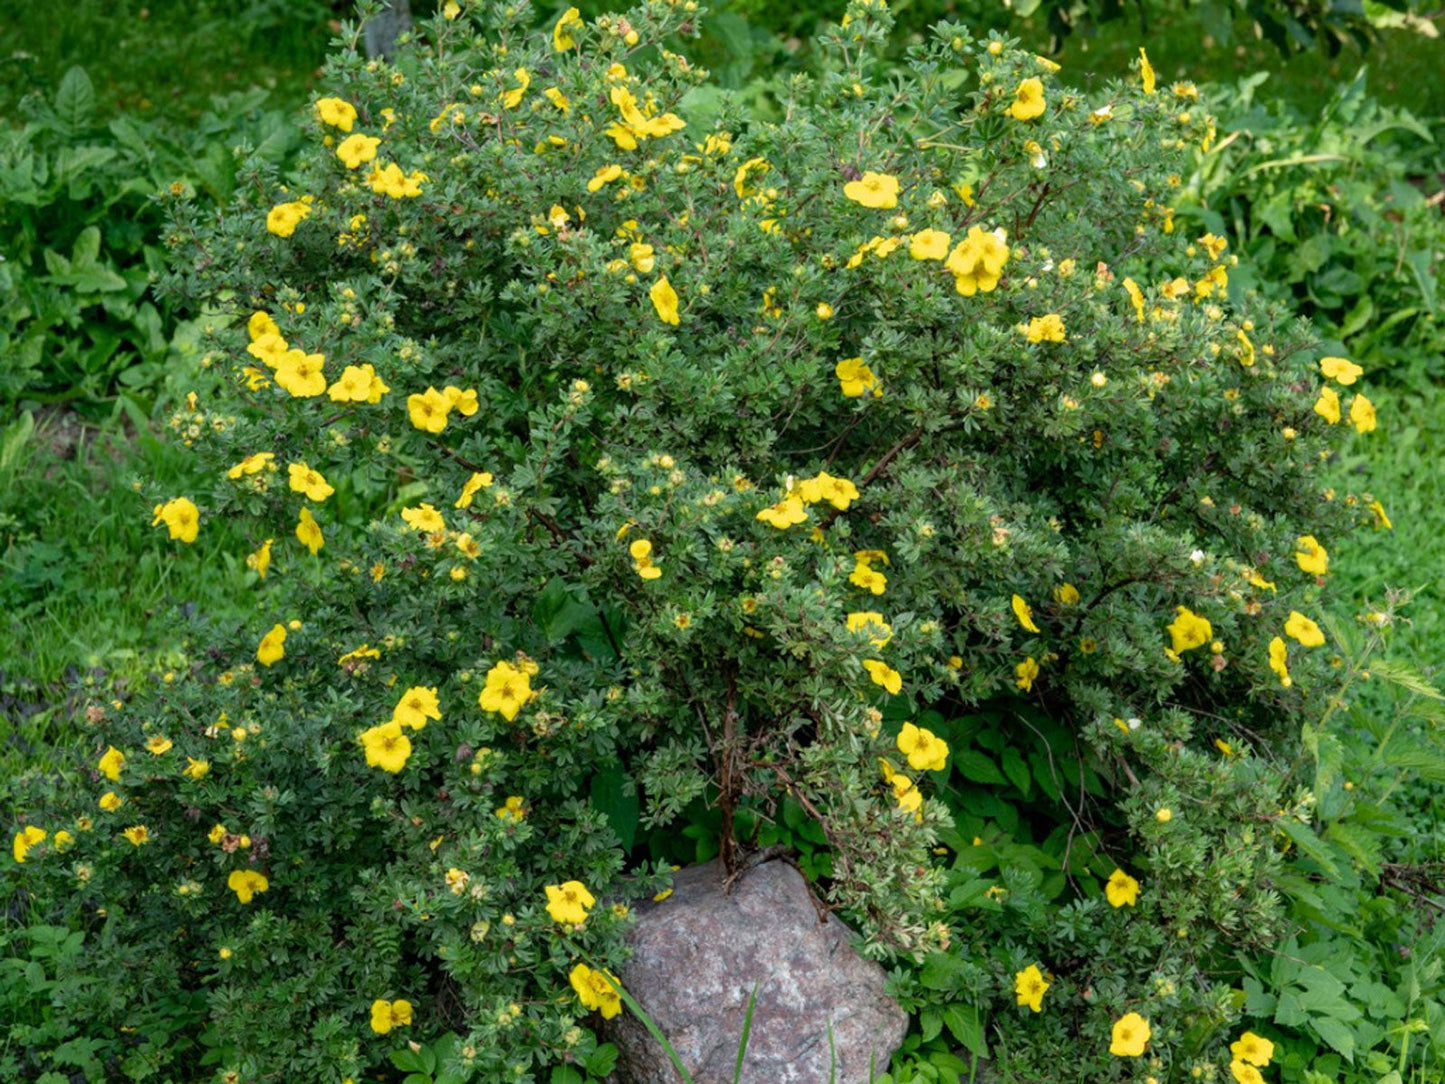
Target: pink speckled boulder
698, 954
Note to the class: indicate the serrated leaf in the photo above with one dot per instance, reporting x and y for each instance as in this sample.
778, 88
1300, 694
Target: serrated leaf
74, 101
1338, 1035
1406, 677
1310, 845
1413, 756
1016, 770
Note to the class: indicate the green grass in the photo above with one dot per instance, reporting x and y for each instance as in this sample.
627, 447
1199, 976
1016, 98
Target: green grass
166, 58
1404, 66
1398, 463
94, 598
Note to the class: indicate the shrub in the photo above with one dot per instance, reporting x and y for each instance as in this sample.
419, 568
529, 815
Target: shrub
604, 456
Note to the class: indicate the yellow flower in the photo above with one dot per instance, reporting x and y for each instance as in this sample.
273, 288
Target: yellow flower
1188, 630
1312, 557
876, 190
597, 990
1301, 628
977, 262
642, 563
1045, 329
356, 149
424, 518
271, 649
514, 808
1028, 100
856, 379
301, 373
839, 492
604, 175
1327, 406
336, 112
740, 177
357, 384
158, 744
110, 801
562, 39
246, 883
478, 481
1164, 815
1024, 614
883, 674
1246, 349
308, 532
1066, 595
786, 513
196, 769
1136, 297
25, 839
428, 411
1244, 1073
664, 300
416, 706
387, 747
1026, 671
569, 902
1030, 987
1253, 1049
1382, 521
507, 690
386, 1015
181, 517
63, 841
1341, 369
137, 834
305, 479
462, 400
1279, 661
1146, 72
1362, 414
926, 752
217, 833
111, 763
261, 559
879, 631
252, 464
283, 219
513, 98
864, 575
1121, 890
929, 245
1131, 1035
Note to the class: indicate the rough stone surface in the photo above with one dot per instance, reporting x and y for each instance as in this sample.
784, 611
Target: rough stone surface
696, 956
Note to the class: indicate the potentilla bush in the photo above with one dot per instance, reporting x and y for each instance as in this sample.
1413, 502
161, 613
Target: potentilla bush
606, 454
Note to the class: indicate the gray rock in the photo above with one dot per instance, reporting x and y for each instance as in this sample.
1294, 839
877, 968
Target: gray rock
696, 958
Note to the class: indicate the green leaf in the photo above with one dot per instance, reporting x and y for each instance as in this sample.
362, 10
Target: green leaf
1016, 770
930, 1024
978, 768
1337, 1034
74, 102
602, 1060
1406, 677
615, 796
940, 971
967, 1028
565, 1074
1310, 845
413, 1061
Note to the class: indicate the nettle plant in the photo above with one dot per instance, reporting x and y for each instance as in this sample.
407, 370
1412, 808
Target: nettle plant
605, 453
